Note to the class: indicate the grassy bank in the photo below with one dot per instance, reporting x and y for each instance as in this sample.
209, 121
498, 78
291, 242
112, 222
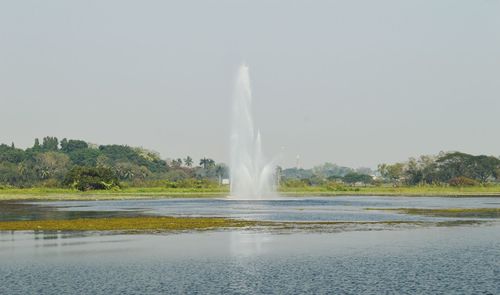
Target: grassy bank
161, 192
127, 193
429, 190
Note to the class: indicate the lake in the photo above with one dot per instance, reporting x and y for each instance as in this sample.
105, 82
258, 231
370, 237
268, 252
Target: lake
463, 259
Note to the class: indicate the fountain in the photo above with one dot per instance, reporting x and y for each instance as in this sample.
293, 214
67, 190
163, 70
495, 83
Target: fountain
251, 177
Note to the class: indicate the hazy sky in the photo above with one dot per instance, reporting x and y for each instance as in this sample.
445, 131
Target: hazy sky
351, 82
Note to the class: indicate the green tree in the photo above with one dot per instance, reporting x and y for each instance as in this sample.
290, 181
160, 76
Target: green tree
130, 171
71, 145
50, 143
221, 171
9, 174
84, 157
36, 145
354, 177
188, 161
207, 163
51, 165
393, 173
176, 163
11, 154
484, 167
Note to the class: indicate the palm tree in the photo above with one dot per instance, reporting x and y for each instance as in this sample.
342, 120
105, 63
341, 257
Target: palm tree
219, 171
205, 162
188, 161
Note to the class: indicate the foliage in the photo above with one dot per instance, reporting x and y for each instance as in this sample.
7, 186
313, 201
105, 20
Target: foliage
192, 183
50, 144
188, 161
47, 163
393, 173
71, 145
462, 181
354, 177
296, 173
328, 169
11, 154
91, 178
207, 163
445, 168
295, 183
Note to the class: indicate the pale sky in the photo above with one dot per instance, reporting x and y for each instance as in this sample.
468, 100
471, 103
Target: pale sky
351, 82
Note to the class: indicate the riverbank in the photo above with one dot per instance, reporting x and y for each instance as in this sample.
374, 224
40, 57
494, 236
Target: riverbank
161, 192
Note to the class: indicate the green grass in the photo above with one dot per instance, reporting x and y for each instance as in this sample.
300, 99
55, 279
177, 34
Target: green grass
127, 193
162, 192
126, 224
493, 190
146, 224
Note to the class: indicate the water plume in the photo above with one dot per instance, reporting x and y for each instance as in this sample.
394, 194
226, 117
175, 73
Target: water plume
251, 177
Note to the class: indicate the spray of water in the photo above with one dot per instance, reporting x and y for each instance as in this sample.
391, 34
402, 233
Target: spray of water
251, 177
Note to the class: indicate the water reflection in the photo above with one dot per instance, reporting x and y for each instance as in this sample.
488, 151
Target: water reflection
244, 243
17, 211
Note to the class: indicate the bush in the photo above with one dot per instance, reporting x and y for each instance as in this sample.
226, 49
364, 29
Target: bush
353, 178
336, 186
192, 183
294, 183
90, 178
462, 181
50, 183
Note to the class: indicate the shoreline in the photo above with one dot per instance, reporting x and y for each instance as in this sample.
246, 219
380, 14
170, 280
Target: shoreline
68, 195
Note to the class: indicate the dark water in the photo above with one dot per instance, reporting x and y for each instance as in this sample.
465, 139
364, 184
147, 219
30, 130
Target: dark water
284, 209
455, 260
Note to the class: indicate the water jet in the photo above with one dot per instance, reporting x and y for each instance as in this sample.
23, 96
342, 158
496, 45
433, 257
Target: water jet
251, 177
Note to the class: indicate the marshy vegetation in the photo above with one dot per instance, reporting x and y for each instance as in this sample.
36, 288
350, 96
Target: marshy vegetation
449, 212
140, 223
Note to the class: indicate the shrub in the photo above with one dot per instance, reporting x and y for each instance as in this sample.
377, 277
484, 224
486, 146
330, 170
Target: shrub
90, 178
196, 183
50, 183
336, 186
462, 181
294, 183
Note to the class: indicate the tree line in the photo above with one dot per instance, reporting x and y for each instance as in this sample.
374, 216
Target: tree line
446, 168
78, 164
451, 168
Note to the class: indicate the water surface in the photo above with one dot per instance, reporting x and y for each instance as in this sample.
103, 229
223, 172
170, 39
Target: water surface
455, 260
390, 260
351, 208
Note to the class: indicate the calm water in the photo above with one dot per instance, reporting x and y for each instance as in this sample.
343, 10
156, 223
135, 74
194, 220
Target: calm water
425, 260
455, 260
284, 209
